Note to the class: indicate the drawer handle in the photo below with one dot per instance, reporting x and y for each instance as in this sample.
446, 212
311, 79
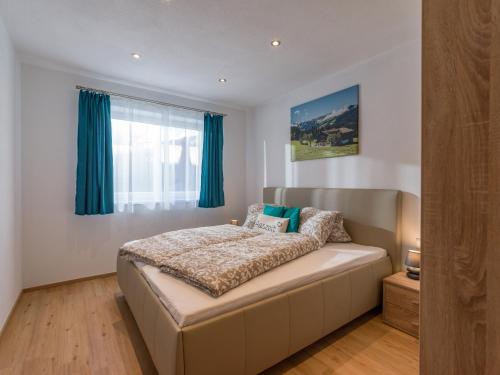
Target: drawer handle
415, 324
415, 303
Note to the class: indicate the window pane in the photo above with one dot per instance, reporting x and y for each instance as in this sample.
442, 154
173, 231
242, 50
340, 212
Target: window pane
157, 155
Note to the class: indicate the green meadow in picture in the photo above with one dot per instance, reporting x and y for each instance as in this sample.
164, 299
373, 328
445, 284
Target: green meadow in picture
326, 127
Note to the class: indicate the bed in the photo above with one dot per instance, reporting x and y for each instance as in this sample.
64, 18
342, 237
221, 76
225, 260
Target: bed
267, 319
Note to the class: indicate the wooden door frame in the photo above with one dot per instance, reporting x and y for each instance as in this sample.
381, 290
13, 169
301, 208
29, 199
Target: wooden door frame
460, 290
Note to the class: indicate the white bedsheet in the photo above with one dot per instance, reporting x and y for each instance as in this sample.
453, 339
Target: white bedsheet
189, 305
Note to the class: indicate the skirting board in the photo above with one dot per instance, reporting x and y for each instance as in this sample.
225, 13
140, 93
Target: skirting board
72, 281
11, 313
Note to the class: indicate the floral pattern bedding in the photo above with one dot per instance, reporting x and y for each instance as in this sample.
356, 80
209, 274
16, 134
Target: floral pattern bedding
220, 258
157, 249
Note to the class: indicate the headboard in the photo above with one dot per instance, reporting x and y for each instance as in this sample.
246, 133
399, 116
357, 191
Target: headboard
371, 216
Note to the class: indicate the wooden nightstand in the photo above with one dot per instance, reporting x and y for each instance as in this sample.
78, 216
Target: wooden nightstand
401, 303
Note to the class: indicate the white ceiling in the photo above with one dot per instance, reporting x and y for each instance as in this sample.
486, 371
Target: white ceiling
188, 44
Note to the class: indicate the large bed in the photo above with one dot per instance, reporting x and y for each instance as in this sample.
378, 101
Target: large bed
272, 316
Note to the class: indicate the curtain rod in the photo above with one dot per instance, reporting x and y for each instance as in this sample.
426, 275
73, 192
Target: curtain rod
78, 87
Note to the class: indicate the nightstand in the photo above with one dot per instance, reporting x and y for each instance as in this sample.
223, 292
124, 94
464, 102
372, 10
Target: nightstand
401, 303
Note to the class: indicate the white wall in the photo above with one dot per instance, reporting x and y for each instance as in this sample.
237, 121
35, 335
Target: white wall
10, 249
389, 135
58, 245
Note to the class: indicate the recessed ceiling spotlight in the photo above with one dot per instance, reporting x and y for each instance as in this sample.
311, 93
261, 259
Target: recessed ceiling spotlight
222, 80
276, 43
136, 56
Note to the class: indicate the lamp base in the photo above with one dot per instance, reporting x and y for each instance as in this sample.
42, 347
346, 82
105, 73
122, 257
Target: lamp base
413, 275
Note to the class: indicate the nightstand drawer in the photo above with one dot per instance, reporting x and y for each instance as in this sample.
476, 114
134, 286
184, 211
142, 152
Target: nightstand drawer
401, 318
405, 298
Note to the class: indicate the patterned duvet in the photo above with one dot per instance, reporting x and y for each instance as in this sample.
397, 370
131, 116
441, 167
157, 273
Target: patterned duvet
219, 258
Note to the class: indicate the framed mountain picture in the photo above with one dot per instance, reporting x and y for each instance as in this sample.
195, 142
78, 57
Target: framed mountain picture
326, 127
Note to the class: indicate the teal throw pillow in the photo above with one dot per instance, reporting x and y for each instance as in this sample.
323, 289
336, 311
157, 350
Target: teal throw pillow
276, 211
293, 214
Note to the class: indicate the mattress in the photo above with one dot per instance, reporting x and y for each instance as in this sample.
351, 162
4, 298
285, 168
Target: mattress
189, 305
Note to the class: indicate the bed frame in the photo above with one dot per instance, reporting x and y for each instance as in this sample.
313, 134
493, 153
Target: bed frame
255, 337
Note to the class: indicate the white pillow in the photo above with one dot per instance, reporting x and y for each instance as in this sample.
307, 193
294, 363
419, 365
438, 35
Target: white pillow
253, 211
265, 223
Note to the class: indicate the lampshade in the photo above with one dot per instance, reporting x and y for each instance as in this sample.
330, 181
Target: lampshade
413, 259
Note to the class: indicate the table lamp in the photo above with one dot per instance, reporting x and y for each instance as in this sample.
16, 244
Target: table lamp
412, 263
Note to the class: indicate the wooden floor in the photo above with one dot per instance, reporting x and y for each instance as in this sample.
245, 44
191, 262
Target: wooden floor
87, 328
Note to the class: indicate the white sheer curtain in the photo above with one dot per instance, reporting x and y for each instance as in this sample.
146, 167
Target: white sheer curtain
157, 153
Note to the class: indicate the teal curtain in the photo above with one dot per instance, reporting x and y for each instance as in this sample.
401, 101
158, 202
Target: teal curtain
94, 172
212, 178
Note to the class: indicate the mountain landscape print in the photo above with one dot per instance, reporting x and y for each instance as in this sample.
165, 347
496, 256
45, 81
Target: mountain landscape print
326, 127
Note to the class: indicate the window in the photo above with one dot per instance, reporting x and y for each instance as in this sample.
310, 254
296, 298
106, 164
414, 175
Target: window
156, 155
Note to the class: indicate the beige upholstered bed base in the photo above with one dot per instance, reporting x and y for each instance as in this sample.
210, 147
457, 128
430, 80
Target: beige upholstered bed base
255, 337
